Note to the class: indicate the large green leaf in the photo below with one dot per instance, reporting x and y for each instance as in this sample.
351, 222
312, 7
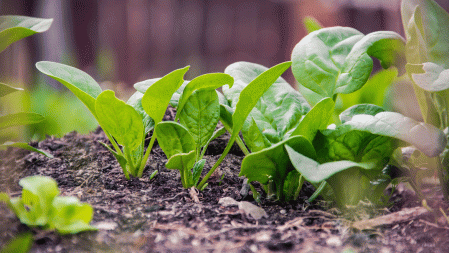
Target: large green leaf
273, 164
277, 111
144, 85
157, 97
208, 81
77, 81
14, 28
136, 102
174, 138
19, 244
425, 137
430, 76
6, 89
120, 120
20, 119
349, 183
338, 59
200, 115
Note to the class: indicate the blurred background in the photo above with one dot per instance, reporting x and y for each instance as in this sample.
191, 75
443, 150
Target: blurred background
121, 42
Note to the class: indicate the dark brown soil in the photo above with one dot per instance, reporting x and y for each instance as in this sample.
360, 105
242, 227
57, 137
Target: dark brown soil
159, 215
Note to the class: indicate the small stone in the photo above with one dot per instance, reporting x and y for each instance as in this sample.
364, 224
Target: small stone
195, 243
334, 242
283, 211
264, 237
253, 248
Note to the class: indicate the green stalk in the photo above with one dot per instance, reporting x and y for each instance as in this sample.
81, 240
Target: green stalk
242, 145
443, 174
114, 143
223, 155
147, 154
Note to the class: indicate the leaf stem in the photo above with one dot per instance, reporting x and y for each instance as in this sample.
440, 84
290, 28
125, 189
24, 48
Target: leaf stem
444, 177
223, 155
147, 154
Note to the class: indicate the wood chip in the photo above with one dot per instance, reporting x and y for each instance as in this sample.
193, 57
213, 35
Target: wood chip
390, 219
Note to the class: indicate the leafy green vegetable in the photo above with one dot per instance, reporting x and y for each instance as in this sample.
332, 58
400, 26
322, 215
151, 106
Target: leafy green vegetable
271, 166
19, 119
40, 206
25, 146
6, 89
338, 59
247, 100
14, 28
20, 244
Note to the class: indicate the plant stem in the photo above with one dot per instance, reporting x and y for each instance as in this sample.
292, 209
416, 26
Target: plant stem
444, 178
223, 155
147, 154
242, 145
113, 142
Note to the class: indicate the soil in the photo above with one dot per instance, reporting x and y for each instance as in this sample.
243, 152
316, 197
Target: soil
159, 215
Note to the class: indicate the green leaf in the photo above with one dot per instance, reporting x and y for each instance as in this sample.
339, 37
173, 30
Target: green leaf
273, 164
425, 137
433, 78
338, 59
6, 89
174, 138
311, 24
316, 119
37, 194
77, 81
277, 108
292, 185
157, 96
71, 216
184, 163
315, 172
360, 109
19, 119
254, 137
14, 28
144, 85
347, 180
20, 244
373, 92
25, 146
200, 115
136, 102
197, 169
120, 120
208, 81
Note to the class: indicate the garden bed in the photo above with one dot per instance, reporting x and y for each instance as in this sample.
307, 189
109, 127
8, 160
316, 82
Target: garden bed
159, 215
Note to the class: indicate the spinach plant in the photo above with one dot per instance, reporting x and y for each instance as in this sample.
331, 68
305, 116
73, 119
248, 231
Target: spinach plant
125, 124
41, 206
427, 52
198, 111
12, 29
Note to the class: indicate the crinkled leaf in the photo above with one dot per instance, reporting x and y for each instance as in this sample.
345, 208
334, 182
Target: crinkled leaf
208, 81
25, 146
273, 163
6, 89
19, 119
157, 97
71, 216
200, 115
316, 119
427, 138
77, 81
136, 102
119, 119
14, 28
338, 59
311, 24
277, 110
174, 138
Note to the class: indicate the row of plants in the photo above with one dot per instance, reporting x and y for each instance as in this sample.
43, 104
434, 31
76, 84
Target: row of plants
290, 137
